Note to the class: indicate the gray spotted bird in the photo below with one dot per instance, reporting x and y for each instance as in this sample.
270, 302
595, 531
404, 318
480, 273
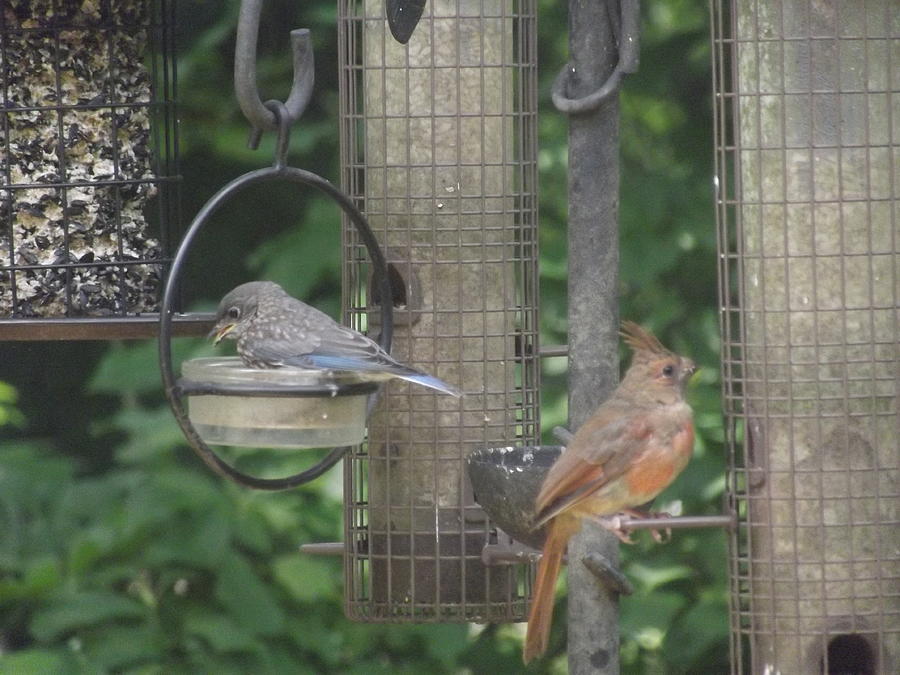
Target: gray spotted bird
273, 329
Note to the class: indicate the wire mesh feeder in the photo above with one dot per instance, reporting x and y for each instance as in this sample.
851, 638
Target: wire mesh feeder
806, 140
439, 148
87, 164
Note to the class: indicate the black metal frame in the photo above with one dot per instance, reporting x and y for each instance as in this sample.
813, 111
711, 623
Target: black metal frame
175, 390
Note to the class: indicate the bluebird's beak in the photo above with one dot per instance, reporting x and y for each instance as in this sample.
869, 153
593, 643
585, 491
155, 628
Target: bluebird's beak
220, 331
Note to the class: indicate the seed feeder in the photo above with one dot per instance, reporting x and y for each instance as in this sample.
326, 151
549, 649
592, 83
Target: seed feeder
806, 167
220, 401
439, 147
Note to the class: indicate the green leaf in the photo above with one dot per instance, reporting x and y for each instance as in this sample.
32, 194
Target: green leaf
198, 538
248, 600
118, 646
127, 367
251, 531
42, 576
301, 258
37, 662
79, 610
83, 553
647, 617
152, 434
133, 367
222, 634
702, 626
9, 413
445, 642
306, 579
651, 575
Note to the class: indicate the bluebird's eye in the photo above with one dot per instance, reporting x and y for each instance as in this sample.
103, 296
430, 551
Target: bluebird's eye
668, 371
234, 313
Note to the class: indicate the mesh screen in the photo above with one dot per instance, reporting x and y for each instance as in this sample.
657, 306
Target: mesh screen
439, 150
807, 125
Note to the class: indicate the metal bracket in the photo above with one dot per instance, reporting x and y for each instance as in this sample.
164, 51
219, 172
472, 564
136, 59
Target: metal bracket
607, 573
403, 17
508, 551
407, 287
259, 115
563, 435
325, 548
624, 18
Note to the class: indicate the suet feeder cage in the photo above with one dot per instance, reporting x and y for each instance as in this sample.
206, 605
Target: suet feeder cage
439, 150
88, 166
807, 212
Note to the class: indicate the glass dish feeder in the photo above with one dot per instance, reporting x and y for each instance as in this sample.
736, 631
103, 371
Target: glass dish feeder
258, 411
272, 419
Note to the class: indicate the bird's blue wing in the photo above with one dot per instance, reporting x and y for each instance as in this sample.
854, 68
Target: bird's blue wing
327, 345
383, 367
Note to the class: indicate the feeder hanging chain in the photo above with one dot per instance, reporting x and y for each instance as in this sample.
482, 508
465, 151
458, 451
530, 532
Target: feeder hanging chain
624, 19
260, 114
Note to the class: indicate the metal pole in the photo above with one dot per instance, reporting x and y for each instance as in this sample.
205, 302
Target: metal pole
593, 311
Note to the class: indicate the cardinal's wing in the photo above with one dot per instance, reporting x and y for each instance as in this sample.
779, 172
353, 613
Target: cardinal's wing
600, 452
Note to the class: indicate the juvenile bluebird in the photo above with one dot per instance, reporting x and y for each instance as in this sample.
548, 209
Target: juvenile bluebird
273, 329
623, 456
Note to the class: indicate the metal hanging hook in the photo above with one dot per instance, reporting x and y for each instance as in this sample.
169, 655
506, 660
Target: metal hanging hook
282, 116
624, 18
261, 117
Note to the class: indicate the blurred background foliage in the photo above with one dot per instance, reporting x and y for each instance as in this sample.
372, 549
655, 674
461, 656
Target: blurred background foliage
120, 552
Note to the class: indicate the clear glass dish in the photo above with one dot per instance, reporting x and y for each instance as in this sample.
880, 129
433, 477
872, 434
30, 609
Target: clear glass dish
270, 421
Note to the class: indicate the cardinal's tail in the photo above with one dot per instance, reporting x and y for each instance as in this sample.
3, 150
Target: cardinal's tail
541, 615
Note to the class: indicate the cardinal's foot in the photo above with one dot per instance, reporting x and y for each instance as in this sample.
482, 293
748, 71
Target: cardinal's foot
614, 525
656, 534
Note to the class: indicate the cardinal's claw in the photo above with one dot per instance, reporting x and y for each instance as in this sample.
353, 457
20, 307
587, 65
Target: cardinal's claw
614, 524
657, 536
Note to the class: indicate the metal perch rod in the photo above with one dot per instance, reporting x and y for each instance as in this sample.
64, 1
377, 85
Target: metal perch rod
681, 522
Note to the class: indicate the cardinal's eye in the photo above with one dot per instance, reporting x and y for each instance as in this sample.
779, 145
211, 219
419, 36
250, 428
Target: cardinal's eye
234, 313
668, 371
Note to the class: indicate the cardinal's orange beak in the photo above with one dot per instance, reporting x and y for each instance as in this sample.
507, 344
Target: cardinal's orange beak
220, 331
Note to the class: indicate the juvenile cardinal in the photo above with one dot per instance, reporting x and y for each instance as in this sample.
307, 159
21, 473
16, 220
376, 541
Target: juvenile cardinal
625, 454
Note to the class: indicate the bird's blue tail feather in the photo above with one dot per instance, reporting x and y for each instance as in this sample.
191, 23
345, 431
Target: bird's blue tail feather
330, 362
432, 382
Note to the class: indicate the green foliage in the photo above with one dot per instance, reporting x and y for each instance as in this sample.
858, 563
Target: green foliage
9, 413
119, 552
